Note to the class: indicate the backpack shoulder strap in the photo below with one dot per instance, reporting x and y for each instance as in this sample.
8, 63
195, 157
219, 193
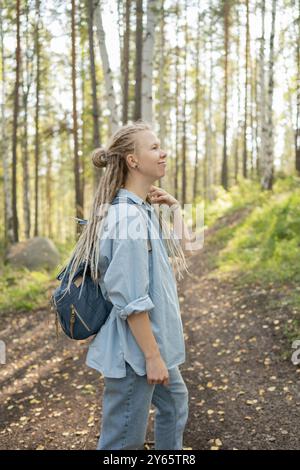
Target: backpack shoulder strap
116, 200
130, 201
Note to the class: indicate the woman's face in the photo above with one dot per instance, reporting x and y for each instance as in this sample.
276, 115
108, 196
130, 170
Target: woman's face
151, 158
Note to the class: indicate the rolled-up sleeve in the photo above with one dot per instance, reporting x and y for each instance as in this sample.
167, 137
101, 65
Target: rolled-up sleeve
127, 277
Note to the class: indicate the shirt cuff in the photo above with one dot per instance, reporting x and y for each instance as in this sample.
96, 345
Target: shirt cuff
138, 305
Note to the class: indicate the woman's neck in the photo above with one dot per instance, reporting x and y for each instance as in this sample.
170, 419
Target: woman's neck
139, 190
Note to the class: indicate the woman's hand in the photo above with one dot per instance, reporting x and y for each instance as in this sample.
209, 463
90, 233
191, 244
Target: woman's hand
157, 372
160, 196
182, 232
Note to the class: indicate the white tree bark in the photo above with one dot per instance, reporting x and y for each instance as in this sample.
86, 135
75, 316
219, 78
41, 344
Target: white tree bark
107, 72
262, 94
209, 177
4, 148
147, 61
161, 88
267, 177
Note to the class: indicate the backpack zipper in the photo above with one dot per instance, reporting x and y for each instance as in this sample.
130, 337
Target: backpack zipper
72, 319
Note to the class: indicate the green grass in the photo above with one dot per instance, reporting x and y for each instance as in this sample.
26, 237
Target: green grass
242, 195
25, 290
21, 289
264, 246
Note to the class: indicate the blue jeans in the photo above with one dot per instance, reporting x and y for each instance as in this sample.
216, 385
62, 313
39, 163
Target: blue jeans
125, 409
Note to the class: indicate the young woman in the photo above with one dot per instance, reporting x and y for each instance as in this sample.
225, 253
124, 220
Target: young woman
140, 346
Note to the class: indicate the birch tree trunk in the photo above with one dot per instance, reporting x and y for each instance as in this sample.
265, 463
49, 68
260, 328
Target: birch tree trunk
138, 60
224, 174
161, 89
177, 111
15, 128
184, 111
268, 173
245, 150
8, 212
262, 93
239, 123
197, 104
107, 72
27, 81
208, 167
125, 63
78, 183
147, 61
37, 116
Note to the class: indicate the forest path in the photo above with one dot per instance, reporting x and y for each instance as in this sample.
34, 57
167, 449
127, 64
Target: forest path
244, 389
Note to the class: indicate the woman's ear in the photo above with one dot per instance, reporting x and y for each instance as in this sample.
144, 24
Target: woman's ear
131, 161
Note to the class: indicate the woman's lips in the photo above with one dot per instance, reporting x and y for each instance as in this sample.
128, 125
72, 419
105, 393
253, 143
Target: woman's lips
162, 163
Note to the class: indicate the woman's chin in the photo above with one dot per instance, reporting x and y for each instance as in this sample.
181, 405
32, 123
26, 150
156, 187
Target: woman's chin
162, 170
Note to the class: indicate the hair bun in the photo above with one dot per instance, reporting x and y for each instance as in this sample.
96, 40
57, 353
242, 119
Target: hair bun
99, 157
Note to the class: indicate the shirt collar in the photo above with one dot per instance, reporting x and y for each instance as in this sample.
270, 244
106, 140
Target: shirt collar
134, 197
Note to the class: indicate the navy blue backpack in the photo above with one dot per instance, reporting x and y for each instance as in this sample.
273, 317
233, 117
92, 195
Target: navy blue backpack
80, 316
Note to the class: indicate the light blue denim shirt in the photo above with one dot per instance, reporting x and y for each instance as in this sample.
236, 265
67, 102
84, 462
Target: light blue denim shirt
135, 282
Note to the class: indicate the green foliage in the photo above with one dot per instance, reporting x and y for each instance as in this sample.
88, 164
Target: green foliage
267, 243
21, 289
244, 194
263, 245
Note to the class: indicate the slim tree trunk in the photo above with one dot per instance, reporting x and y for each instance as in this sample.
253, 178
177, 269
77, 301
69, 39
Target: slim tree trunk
162, 81
15, 128
83, 79
224, 177
49, 185
245, 150
78, 189
177, 111
183, 174
268, 173
37, 115
125, 63
8, 210
297, 132
208, 166
95, 106
27, 81
147, 61
138, 60
107, 72
262, 93
197, 103
237, 136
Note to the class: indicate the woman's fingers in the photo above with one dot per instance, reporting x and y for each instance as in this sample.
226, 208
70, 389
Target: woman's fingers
158, 193
156, 190
159, 198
